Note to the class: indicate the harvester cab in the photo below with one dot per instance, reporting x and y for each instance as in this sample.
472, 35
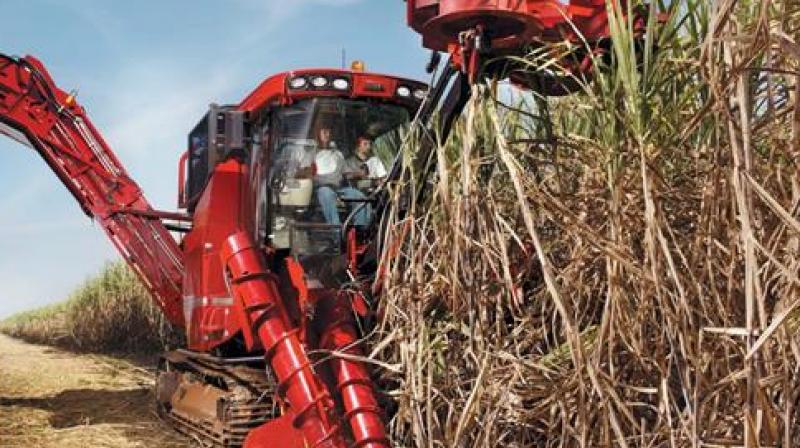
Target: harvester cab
317, 144
314, 189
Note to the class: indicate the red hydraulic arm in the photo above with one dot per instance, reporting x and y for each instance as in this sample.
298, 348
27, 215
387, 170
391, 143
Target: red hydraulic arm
35, 112
309, 420
310, 405
351, 376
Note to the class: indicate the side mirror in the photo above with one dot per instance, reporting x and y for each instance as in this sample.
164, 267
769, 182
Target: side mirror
221, 134
229, 130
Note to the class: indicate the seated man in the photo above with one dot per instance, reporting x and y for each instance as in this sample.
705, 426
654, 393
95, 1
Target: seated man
330, 165
363, 167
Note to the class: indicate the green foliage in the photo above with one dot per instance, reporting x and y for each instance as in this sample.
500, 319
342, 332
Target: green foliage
112, 312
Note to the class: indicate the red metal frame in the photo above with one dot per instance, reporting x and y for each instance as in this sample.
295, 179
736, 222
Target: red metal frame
59, 130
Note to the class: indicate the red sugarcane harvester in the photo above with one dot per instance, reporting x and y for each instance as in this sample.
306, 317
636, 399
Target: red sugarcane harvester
271, 260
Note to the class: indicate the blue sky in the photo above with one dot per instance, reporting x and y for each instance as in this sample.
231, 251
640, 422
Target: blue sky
146, 72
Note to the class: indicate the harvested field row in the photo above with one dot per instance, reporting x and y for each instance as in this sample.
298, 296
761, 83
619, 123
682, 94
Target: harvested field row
50, 398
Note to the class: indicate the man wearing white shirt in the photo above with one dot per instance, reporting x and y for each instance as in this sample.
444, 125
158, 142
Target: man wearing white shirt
328, 175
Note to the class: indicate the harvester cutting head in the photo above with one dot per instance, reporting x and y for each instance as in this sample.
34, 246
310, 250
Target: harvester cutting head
471, 30
509, 24
441, 22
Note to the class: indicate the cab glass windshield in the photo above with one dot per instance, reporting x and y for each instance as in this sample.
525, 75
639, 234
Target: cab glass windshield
346, 120
328, 155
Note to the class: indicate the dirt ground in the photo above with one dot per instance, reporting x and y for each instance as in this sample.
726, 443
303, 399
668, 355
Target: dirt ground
52, 398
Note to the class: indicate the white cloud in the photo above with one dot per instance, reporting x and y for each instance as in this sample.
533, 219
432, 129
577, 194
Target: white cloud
283, 7
276, 11
13, 230
19, 197
273, 13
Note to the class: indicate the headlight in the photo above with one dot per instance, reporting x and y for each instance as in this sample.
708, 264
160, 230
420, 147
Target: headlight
341, 84
319, 81
403, 91
298, 82
420, 94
